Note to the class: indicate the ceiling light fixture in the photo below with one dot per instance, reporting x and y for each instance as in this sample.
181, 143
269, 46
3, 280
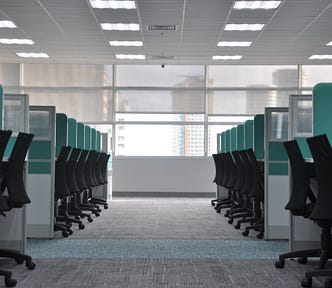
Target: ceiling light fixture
16, 41
244, 27
102, 4
126, 43
329, 44
130, 56
227, 57
234, 43
320, 57
7, 24
32, 55
239, 5
120, 26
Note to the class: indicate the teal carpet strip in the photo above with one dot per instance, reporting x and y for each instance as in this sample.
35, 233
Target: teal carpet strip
110, 248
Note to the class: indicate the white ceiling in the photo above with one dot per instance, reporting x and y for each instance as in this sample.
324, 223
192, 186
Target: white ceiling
69, 31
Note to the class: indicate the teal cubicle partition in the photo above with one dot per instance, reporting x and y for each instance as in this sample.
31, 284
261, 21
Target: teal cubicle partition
98, 141
233, 139
276, 194
93, 138
228, 141
80, 135
1, 107
87, 137
41, 169
258, 136
240, 137
72, 132
15, 117
61, 132
248, 134
223, 147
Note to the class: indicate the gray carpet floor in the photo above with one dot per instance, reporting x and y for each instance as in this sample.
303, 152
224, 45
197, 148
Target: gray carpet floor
144, 224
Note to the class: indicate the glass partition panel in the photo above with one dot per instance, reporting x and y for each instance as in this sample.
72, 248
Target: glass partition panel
39, 123
252, 76
213, 130
160, 101
13, 110
155, 76
279, 125
303, 117
159, 140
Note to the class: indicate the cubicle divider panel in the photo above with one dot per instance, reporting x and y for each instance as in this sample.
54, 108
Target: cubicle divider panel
1, 107
228, 141
40, 179
15, 118
93, 138
107, 189
233, 139
222, 142
87, 137
276, 188
61, 132
98, 141
72, 132
322, 105
80, 135
304, 233
248, 134
240, 137
258, 144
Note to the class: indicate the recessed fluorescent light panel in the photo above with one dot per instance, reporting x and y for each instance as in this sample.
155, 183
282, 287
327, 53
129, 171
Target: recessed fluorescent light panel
320, 57
130, 56
32, 55
120, 26
329, 44
16, 41
126, 43
227, 57
244, 27
234, 43
239, 5
103, 4
7, 24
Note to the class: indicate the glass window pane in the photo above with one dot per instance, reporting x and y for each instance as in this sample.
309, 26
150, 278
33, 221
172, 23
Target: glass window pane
155, 76
13, 115
82, 104
10, 76
252, 76
122, 117
304, 116
246, 102
39, 123
279, 125
66, 75
159, 140
311, 75
230, 119
160, 101
213, 130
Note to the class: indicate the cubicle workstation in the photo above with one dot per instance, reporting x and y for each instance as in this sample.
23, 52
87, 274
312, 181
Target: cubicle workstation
248, 134
15, 117
240, 137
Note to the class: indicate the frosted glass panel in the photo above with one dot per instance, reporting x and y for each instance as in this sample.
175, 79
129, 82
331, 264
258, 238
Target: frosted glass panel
246, 102
13, 115
81, 104
213, 130
155, 76
39, 123
311, 75
160, 101
66, 75
252, 76
304, 116
10, 77
279, 125
119, 117
159, 140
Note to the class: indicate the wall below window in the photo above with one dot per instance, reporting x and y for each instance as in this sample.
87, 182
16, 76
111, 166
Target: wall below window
163, 176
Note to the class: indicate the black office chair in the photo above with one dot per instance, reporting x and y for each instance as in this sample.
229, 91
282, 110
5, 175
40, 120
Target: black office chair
12, 175
302, 199
321, 214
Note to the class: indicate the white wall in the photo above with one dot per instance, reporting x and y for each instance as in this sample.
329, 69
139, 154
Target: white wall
163, 174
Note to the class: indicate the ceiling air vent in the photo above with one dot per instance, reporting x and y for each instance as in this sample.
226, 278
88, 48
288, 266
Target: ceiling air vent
162, 57
161, 27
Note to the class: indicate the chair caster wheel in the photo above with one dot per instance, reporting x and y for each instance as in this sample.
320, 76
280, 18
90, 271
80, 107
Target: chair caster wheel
212, 203
230, 221
30, 265
98, 210
237, 226
81, 226
279, 264
302, 260
306, 282
19, 260
10, 282
90, 219
105, 206
70, 231
218, 211
97, 214
65, 234
77, 217
260, 235
245, 233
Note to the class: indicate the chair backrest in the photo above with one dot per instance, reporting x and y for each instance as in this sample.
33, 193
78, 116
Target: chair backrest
231, 170
321, 152
239, 180
248, 177
61, 187
80, 167
71, 170
104, 166
4, 138
300, 180
14, 177
257, 190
